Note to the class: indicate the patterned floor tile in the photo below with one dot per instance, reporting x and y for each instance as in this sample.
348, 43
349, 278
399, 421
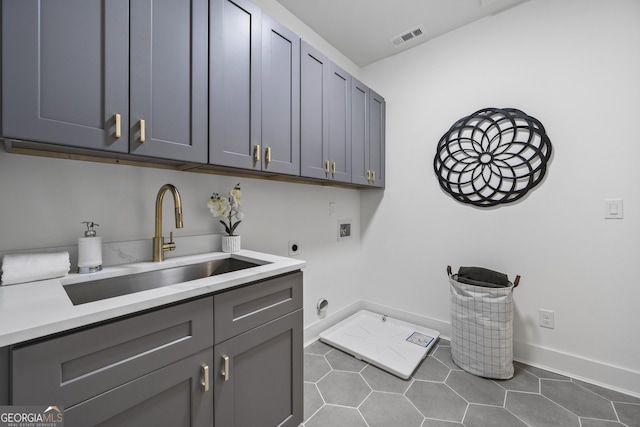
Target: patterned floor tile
475, 389
538, 411
628, 413
330, 416
312, 400
380, 380
490, 416
612, 395
389, 409
579, 400
343, 388
436, 400
431, 369
521, 381
318, 347
341, 391
342, 361
315, 367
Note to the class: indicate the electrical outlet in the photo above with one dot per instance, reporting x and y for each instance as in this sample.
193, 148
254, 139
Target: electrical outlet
294, 248
546, 319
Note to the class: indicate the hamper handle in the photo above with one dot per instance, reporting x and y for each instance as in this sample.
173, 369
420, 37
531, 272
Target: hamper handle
515, 282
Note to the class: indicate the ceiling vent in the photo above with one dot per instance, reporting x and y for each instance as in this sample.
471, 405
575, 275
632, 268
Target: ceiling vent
407, 36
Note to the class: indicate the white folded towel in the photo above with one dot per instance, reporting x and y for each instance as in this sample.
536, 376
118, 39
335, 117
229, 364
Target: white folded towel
20, 268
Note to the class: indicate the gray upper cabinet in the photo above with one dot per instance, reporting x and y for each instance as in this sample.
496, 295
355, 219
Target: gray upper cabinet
65, 72
280, 98
367, 135
360, 172
255, 90
314, 113
325, 118
377, 120
169, 79
339, 124
110, 75
235, 34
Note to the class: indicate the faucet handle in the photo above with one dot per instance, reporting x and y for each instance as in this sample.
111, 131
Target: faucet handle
171, 237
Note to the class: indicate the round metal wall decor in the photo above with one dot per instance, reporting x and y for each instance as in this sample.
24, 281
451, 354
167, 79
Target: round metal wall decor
493, 156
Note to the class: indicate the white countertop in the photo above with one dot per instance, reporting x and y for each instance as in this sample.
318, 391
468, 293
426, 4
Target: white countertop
36, 309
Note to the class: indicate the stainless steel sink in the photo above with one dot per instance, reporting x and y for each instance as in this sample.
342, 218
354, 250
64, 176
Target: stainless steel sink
81, 293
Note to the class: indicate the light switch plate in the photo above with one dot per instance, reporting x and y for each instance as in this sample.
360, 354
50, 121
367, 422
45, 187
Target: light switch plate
613, 209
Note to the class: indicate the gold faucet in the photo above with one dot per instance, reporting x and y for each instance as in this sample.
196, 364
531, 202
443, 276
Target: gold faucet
159, 246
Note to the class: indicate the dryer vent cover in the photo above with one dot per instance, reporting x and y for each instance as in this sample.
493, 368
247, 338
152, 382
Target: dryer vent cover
493, 156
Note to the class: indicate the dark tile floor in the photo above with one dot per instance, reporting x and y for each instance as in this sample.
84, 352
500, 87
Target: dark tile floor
341, 391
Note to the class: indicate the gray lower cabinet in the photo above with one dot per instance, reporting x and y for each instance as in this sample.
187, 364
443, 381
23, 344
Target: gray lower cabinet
254, 105
258, 361
121, 76
325, 117
164, 367
127, 368
170, 396
367, 135
5, 374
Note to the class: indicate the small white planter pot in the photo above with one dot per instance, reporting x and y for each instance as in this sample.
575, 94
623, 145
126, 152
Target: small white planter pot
230, 244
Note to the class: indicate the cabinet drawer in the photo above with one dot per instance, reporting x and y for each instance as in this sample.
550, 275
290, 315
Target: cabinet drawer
74, 367
242, 309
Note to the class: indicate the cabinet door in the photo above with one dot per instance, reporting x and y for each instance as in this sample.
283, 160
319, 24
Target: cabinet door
339, 98
234, 99
314, 113
65, 72
169, 79
172, 396
280, 98
75, 367
4, 376
377, 139
264, 382
360, 172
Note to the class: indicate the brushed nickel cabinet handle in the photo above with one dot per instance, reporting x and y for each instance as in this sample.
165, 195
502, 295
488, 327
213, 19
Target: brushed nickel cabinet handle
256, 153
225, 367
205, 378
118, 133
142, 131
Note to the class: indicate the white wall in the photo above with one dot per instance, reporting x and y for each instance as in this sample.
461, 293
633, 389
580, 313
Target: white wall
44, 200
574, 65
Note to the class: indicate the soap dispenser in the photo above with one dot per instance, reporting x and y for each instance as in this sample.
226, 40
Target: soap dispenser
89, 250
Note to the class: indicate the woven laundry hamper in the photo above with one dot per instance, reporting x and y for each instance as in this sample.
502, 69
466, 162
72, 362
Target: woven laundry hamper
482, 322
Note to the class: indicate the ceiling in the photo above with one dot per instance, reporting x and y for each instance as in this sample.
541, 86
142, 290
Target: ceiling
362, 29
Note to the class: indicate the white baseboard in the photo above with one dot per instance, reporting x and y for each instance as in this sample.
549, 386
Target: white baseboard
591, 371
583, 369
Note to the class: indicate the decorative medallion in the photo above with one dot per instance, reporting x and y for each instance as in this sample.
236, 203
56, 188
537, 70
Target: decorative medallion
492, 156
